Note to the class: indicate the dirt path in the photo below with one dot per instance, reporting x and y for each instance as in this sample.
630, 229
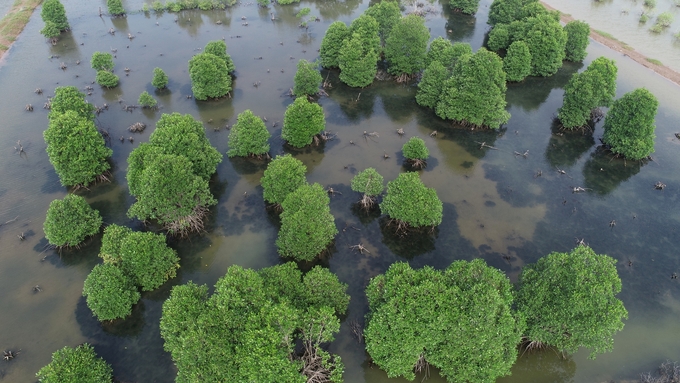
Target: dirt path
619, 46
14, 22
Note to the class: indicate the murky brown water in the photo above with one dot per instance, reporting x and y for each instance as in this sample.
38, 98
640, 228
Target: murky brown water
494, 206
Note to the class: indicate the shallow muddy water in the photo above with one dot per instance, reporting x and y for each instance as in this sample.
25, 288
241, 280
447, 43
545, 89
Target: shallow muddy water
495, 205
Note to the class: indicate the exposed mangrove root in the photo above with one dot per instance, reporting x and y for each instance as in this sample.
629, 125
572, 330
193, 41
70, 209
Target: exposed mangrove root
318, 365
367, 202
422, 366
668, 372
137, 127
525, 154
532, 345
28, 108
400, 132
189, 224
659, 185
417, 163
360, 248
370, 135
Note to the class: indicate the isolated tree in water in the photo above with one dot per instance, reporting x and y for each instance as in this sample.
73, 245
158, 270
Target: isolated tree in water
568, 300
370, 184
358, 63
475, 92
115, 7
70, 98
629, 125
415, 151
146, 100
109, 293
406, 47
307, 79
283, 176
302, 121
76, 150
107, 79
53, 12
160, 79
80, 364
209, 76
578, 38
307, 225
248, 136
332, 43
411, 203
102, 61
459, 320
70, 220
593, 88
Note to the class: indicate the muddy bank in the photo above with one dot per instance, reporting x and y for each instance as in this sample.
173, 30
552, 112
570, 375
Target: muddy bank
14, 22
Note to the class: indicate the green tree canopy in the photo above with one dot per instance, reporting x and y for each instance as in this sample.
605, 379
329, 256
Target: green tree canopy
109, 293
248, 136
209, 76
406, 47
458, 320
80, 364
307, 79
517, 61
431, 84
70, 220
499, 37
183, 135
578, 38
357, 62
283, 176
307, 225
446, 53
53, 11
475, 92
415, 149
585, 91
70, 98
546, 40
76, 150
369, 32
332, 44
107, 79
102, 61
629, 125
115, 7
248, 328
113, 237
146, 100
370, 184
302, 121
387, 14
219, 49
160, 79
147, 260
568, 300
465, 6
170, 192
51, 31
411, 203
507, 11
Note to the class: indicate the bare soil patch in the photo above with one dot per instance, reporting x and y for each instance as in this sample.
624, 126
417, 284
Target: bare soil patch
14, 22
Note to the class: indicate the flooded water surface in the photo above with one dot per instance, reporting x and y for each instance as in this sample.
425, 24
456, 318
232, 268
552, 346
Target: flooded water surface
506, 208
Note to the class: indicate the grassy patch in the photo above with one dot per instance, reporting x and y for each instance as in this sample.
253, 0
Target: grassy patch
611, 37
654, 61
14, 22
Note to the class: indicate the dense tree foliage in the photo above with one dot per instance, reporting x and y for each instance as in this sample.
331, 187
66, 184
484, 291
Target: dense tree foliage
568, 300
307, 225
115, 7
107, 79
80, 364
458, 320
585, 91
415, 151
369, 32
248, 328
76, 149
578, 38
219, 49
411, 203
387, 14
431, 84
507, 11
209, 76
517, 61
370, 184
357, 62
283, 176
307, 79
147, 260
499, 37
475, 92
102, 61
248, 136
53, 12
160, 79
146, 100
546, 40
446, 53
70, 98
406, 46
70, 220
302, 121
465, 6
51, 31
629, 125
332, 43
109, 293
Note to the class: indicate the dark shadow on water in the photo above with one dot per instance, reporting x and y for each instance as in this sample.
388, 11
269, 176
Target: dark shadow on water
566, 147
408, 245
355, 104
533, 91
248, 165
333, 10
120, 24
603, 173
546, 366
365, 216
459, 27
86, 254
52, 183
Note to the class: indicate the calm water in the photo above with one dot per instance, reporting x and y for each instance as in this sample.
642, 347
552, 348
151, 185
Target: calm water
494, 205
621, 18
